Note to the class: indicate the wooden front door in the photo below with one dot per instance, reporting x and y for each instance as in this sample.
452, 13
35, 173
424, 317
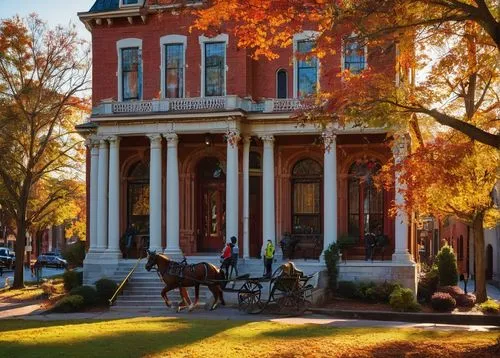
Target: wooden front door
255, 220
211, 204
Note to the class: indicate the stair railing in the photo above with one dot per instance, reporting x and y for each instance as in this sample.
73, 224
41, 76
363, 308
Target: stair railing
124, 282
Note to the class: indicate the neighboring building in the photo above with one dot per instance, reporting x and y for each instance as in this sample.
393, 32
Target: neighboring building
192, 141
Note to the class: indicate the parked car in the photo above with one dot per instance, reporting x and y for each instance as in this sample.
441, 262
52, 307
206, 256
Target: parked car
51, 261
7, 258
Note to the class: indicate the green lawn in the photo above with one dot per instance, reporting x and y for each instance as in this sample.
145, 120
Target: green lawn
200, 338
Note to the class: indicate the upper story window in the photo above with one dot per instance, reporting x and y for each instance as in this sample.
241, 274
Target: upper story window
354, 56
125, 3
129, 69
131, 74
173, 68
215, 60
281, 84
213, 56
306, 80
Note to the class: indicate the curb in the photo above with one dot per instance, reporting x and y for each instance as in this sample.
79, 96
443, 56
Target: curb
442, 318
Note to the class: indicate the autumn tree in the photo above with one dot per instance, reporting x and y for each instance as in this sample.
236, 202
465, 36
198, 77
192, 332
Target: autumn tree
43, 73
450, 176
460, 90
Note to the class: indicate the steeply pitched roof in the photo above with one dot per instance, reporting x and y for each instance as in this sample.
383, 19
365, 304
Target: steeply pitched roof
105, 5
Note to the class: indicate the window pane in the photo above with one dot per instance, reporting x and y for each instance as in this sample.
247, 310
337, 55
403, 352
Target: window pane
130, 2
307, 198
131, 74
138, 208
214, 68
354, 56
282, 84
174, 74
307, 70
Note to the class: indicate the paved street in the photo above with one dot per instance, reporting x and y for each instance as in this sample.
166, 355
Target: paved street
46, 272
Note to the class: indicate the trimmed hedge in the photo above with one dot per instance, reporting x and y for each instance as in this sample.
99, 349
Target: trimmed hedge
72, 279
105, 290
332, 258
403, 300
447, 266
428, 284
368, 291
466, 300
443, 302
89, 294
69, 304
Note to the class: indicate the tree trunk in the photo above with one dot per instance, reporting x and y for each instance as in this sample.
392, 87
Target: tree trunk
480, 274
20, 244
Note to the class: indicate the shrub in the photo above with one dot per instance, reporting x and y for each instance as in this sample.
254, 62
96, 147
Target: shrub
447, 266
332, 258
72, 279
382, 292
443, 302
466, 300
490, 306
403, 299
428, 284
89, 294
75, 253
69, 304
454, 291
348, 289
105, 290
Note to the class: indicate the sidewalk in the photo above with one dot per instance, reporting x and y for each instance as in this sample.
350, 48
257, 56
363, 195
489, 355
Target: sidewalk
491, 290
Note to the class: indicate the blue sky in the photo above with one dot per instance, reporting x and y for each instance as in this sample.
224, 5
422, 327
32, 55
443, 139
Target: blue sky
55, 12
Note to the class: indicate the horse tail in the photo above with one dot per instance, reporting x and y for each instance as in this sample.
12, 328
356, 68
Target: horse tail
221, 277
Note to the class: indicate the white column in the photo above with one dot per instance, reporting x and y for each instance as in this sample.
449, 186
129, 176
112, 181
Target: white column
114, 196
232, 191
401, 253
155, 193
246, 196
102, 197
173, 246
268, 210
94, 177
330, 189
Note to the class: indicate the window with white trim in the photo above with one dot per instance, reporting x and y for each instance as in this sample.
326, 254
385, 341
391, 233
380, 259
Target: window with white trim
174, 70
213, 65
354, 55
307, 69
129, 69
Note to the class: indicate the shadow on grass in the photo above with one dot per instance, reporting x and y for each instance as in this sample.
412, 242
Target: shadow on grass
137, 340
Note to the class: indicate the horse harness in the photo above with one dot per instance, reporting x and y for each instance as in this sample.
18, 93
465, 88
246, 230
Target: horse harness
178, 269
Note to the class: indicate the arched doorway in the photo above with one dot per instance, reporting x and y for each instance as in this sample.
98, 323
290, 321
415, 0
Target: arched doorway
211, 203
489, 262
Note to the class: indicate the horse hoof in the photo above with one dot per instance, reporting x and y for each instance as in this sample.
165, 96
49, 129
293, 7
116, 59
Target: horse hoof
214, 306
168, 304
191, 307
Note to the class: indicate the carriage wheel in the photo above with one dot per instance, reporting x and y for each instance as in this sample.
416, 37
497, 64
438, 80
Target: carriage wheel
249, 298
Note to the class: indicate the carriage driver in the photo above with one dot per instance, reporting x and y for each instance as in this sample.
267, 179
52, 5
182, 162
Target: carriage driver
226, 258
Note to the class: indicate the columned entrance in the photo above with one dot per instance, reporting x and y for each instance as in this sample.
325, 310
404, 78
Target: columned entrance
211, 202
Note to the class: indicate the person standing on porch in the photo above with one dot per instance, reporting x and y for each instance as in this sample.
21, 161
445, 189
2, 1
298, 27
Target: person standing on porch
235, 251
268, 258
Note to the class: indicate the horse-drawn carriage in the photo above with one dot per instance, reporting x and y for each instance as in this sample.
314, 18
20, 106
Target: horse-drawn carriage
289, 290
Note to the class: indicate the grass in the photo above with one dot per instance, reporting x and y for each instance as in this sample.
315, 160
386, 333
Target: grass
28, 293
155, 337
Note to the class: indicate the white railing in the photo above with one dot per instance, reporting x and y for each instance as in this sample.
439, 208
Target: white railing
201, 104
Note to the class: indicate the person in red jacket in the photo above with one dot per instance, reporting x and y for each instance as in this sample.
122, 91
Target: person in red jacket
226, 258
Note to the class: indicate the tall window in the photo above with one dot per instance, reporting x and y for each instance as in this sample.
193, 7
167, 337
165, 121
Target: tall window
131, 74
281, 84
365, 202
306, 195
174, 70
138, 198
130, 2
215, 63
307, 69
354, 56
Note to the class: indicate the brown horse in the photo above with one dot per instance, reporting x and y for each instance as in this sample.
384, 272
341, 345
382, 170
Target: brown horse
180, 275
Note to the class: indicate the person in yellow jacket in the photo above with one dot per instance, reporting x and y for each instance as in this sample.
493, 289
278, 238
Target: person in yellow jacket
268, 259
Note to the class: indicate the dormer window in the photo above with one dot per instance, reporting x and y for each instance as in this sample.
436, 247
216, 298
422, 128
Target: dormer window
131, 3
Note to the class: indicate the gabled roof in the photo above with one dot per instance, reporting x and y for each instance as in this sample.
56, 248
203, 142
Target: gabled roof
105, 5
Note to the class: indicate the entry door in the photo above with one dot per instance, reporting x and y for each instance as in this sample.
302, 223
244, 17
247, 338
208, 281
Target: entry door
213, 217
255, 220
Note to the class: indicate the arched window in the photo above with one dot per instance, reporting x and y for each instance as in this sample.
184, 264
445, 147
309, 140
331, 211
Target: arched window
281, 84
306, 197
138, 197
365, 202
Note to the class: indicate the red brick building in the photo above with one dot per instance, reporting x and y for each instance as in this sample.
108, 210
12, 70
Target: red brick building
192, 141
